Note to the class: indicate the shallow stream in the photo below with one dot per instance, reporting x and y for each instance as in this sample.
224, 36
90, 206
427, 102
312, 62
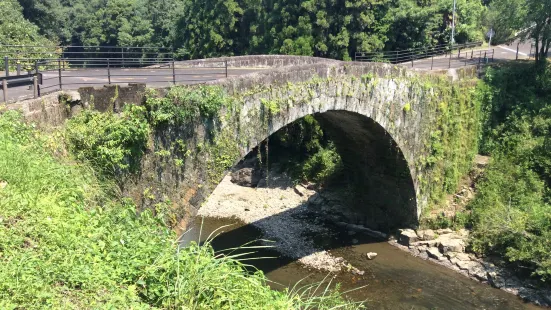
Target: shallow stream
393, 280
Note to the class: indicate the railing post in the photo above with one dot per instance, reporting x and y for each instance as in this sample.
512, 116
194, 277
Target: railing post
18, 68
431, 61
485, 58
472, 54
108, 71
5, 89
59, 73
173, 72
492, 55
517, 50
35, 85
6, 65
450, 61
479, 57
226, 65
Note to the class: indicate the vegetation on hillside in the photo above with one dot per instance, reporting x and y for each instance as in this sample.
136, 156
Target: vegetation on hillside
211, 28
67, 241
511, 213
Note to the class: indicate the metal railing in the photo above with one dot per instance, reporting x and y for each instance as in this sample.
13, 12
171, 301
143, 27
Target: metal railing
53, 74
414, 54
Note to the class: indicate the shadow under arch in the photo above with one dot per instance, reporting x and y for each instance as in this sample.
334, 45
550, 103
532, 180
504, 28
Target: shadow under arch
376, 167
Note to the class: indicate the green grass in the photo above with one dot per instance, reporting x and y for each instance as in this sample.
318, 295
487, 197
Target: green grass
67, 241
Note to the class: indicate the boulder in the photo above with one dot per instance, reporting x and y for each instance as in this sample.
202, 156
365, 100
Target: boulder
246, 177
451, 245
475, 269
426, 234
433, 252
407, 237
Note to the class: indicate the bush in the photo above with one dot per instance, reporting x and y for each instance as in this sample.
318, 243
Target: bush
511, 213
112, 143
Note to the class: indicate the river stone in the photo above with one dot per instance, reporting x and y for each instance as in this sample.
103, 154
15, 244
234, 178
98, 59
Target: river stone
426, 234
371, 255
433, 252
444, 231
246, 177
407, 237
451, 245
475, 269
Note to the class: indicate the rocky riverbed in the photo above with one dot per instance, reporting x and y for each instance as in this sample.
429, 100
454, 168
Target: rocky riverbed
278, 208
447, 248
293, 217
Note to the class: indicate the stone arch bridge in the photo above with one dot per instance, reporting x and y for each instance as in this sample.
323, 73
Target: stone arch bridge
403, 135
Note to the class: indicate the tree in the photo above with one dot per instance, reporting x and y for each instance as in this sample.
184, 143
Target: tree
525, 19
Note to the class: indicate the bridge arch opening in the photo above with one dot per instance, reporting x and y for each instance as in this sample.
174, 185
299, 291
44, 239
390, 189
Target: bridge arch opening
374, 170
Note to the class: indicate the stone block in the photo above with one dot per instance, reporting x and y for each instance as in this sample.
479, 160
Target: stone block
426, 234
407, 237
451, 245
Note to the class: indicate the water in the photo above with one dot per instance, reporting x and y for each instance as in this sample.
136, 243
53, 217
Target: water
393, 280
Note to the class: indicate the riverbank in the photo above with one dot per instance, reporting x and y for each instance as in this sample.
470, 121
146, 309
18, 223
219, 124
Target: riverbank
296, 218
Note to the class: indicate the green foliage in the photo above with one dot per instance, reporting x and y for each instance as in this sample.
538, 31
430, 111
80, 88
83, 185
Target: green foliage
199, 29
525, 19
306, 151
112, 143
511, 213
453, 141
16, 30
321, 165
182, 104
65, 243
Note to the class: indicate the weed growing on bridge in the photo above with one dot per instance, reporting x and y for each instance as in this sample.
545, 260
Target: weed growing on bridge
112, 143
182, 104
67, 242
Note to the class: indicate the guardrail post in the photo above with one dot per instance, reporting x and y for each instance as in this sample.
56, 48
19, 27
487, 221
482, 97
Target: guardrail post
6, 65
450, 61
492, 55
226, 65
431, 62
173, 72
485, 58
108, 71
458, 52
5, 89
59, 73
35, 86
479, 57
472, 54
517, 51
122, 52
18, 69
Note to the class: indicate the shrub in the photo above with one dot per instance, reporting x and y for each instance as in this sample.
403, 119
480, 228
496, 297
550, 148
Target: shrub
113, 143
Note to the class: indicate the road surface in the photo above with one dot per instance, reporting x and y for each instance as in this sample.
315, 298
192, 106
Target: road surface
75, 78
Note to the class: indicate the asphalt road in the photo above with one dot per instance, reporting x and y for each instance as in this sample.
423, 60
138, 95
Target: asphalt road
75, 78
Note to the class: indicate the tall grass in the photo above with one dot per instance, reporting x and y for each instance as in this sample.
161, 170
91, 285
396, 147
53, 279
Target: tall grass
66, 242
